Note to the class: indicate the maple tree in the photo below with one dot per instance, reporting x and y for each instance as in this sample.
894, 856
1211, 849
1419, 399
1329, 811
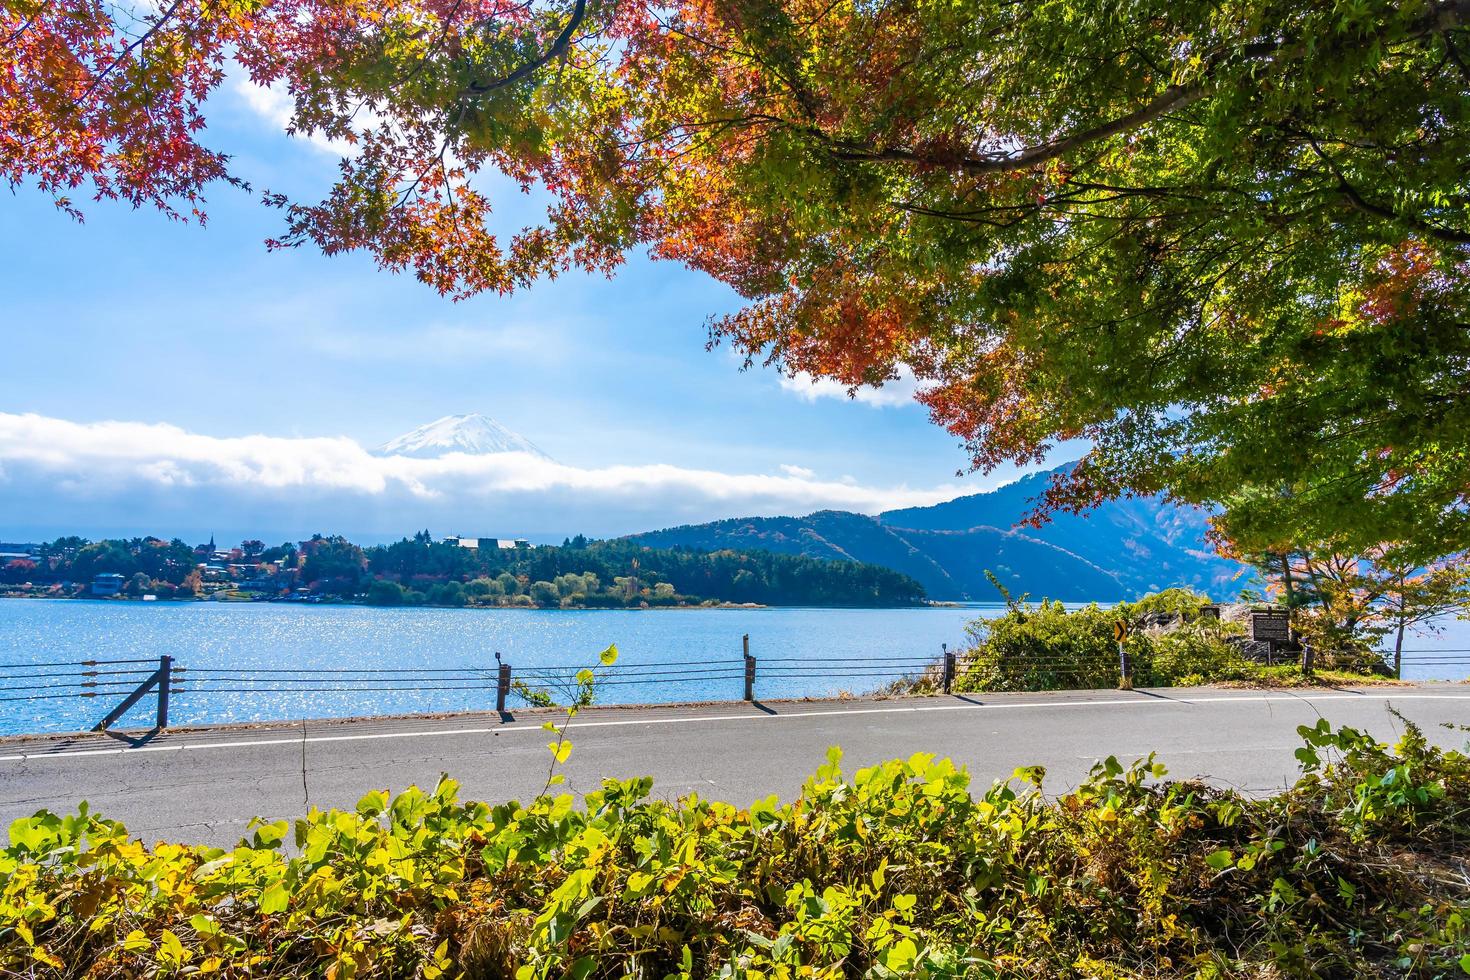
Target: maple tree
1347, 605
1226, 244
1421, 597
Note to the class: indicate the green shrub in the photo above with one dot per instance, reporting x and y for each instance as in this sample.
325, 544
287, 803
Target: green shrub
1044, 646
897, 871
1179, 602
1041, 647
601, 600
385, 593
1194, 652
447, 594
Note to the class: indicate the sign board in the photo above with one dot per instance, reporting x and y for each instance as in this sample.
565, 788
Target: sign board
1271, 625
1120, 631
1211, 611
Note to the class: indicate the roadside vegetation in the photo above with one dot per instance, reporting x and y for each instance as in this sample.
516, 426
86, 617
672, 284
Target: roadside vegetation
1045, 646
897, 870
1347, 612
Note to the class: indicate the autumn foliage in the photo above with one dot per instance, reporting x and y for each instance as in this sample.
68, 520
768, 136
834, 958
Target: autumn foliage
1227, 245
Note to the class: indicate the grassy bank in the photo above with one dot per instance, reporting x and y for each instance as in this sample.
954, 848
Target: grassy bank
1359, 869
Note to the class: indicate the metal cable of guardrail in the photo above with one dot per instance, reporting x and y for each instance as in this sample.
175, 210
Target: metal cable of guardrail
323, 670
52, 680
55, 697
1441, 660
49, 684
338, 690
630, 668
650, 676
80, 685
845, 660
137, 671
115, 678
307, 676
75, 663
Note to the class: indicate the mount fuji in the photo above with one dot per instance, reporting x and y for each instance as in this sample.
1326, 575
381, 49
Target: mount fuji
473, 434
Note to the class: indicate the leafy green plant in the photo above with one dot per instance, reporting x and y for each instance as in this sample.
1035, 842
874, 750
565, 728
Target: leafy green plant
894, 870
578, 692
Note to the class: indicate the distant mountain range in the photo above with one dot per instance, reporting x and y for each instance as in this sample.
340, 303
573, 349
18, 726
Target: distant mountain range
471, 434
1121, 550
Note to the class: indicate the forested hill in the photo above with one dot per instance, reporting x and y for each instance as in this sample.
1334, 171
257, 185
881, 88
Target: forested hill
620, 572
1123, 549
579, 574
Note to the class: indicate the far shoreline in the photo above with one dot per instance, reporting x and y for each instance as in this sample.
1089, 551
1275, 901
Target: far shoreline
711, 607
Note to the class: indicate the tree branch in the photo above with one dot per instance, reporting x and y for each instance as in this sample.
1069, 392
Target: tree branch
559, 48
1350, 193
91, 89
1355, 199
1441, 17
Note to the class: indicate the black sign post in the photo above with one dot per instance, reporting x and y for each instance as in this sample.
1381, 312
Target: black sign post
1125, 668
1272, 626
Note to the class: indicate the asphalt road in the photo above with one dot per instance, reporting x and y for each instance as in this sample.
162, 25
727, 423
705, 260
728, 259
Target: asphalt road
203, 785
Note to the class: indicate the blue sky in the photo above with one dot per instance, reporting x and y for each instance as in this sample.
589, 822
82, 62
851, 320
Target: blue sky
133, 318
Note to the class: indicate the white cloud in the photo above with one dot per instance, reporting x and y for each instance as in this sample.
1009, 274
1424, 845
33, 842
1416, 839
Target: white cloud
900, 391
275, 105
55, 466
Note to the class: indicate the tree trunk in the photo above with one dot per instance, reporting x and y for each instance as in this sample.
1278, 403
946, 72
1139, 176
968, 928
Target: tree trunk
1398, 653
1290, 594
1398, 644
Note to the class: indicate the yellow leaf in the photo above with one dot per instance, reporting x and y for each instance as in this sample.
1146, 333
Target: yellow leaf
274, 899
42, 955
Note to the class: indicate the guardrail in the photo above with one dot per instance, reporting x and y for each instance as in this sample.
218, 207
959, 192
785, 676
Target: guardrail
1444, 657
132, 680
54, 680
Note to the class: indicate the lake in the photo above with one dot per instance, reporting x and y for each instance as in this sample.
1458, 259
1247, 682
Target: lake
800, 652
680, 655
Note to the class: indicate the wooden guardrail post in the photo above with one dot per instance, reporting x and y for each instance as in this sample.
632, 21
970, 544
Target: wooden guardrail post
749, 668
948, 668
159, 679
502, 686
165, 675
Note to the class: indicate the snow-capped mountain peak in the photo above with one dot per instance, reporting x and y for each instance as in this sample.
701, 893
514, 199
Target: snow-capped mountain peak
473, 434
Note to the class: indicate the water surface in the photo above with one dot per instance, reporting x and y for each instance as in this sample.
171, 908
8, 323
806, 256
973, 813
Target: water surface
799, 653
